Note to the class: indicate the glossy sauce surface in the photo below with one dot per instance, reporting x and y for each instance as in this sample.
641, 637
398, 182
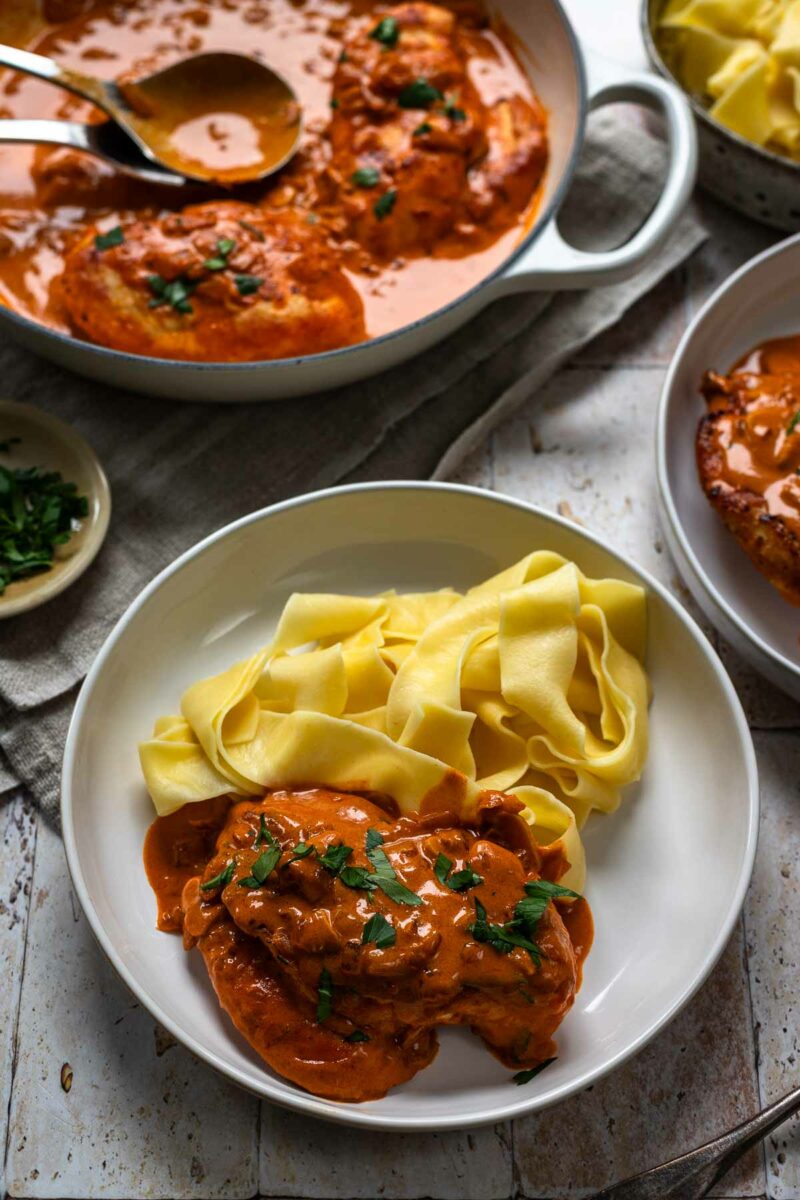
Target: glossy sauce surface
266, 947
47, 200
757, 436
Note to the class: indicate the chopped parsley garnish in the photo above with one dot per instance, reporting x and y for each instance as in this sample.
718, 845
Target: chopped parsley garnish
176, 292
384, 204
365, 177
114, 237
502, 938
263, 834
538, 894
263, 867
790, 428
422, 129
380, 931
334, 103
455, 113
335, 857
37, 511
219, 262
344, 57
301, 850
385, 877
461, 881
419, 94
247, 284
359, 878
219, 881
324, 995
527, 1076
257, 233
357, 1035
387, 32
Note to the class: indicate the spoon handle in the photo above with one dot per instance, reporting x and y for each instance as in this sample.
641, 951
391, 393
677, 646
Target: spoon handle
104, 140
692, 1175
53, 72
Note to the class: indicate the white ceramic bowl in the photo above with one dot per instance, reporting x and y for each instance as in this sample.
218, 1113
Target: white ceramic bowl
761, 300
667, 874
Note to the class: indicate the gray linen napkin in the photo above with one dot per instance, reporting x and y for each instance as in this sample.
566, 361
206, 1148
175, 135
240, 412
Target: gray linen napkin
179, 471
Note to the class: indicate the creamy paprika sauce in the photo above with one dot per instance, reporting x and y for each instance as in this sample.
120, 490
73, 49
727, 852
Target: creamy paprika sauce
748, 451
338, 935
422, 152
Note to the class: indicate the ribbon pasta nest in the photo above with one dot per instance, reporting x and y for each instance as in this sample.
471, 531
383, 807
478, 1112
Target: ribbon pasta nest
742, 59
530, 683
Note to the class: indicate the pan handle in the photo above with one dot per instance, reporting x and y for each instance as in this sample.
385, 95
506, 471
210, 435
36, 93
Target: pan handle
551, 263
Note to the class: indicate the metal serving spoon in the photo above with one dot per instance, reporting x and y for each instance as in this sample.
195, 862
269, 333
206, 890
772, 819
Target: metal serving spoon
157, 122
694, 1174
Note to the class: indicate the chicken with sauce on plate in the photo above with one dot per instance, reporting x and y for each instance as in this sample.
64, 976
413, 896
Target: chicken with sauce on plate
339, 936
748, 457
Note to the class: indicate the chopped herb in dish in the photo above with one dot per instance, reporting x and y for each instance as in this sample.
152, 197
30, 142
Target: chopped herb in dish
384, 204
324, 996
387, 32
380, 931
38, 512
175, 292
419, 94
247, 284
365, 177
219, 881
114, 237
385, 876
526, 1076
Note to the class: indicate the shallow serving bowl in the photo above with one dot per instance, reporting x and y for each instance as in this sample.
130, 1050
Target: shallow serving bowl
667, 873
760, 301
569, 84
752, 180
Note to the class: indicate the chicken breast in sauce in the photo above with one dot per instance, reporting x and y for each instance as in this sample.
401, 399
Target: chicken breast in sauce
748, 458
225, 281
417, 157
339, 982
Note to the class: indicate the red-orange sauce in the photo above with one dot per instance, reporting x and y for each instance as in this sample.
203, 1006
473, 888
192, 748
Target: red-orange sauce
748, 457
45, 204
273, 949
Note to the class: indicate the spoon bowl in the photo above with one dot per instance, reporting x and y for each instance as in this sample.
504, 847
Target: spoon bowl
215, 118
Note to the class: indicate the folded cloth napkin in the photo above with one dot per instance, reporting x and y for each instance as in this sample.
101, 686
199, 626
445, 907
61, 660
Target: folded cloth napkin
179, 471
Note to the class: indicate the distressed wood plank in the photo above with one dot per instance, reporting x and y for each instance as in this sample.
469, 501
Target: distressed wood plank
17, 849
304, 1158
772, 916
143, 1117
694, 1081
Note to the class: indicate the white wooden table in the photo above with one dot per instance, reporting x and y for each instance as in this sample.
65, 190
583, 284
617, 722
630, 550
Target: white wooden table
144, 1119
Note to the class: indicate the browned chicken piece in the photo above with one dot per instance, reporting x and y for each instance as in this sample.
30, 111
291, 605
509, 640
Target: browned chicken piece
748, 457
416, 155
219, 282
339, 982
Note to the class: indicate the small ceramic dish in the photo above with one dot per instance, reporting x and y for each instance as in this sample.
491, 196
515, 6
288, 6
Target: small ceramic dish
760, 301
49, 443
660, 927
754, 181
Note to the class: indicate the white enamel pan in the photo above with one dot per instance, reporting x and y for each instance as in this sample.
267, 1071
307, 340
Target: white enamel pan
570, 83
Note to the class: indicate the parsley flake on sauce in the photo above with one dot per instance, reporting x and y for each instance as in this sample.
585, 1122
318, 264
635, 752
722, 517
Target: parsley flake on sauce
538, 894
380, 931
384, 204
526, 1076
114, 237
502, 938
387, 32
263, 834
262, 868
324, 996
790, 428
422, 129
419, 94
335, 857
385, 877
358, 878
176, 292
357, 1035
365, 177
225, 247
461, 881
38, 512
247, 284
301, 850
219, 881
